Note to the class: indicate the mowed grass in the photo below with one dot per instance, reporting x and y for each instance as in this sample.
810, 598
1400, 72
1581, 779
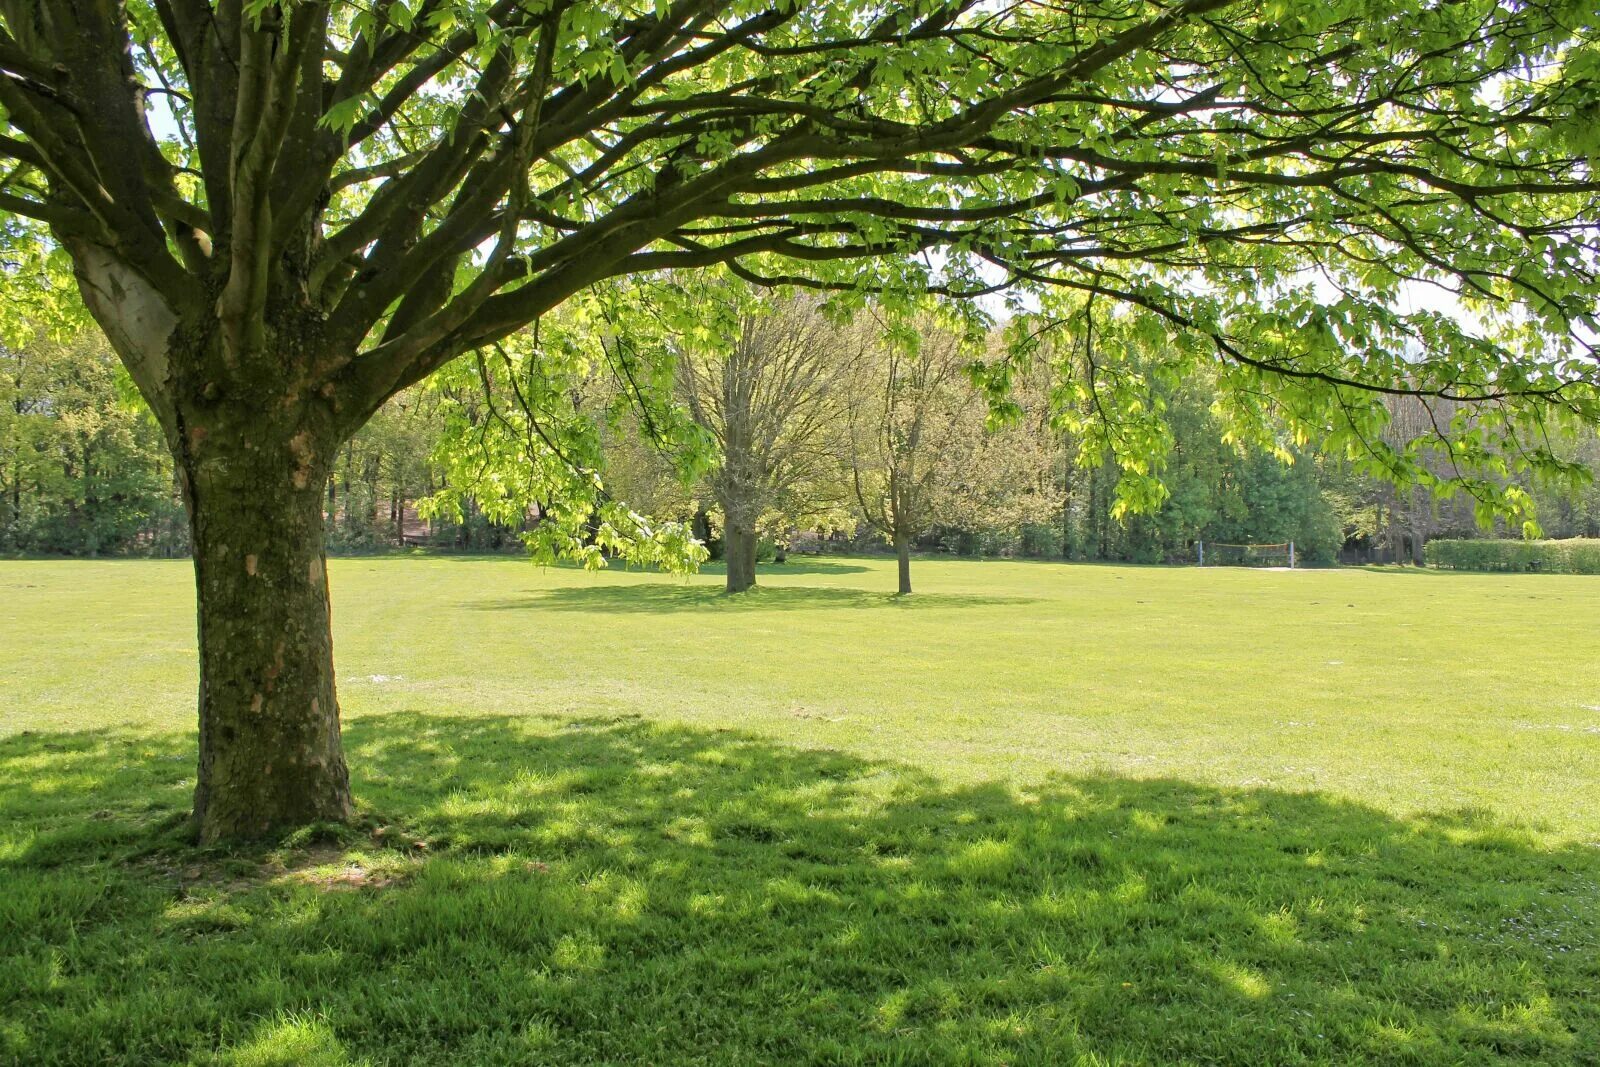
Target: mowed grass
1032, 814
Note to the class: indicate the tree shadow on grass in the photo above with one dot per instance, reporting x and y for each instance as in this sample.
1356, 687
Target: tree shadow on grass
665, 598
797, 564
587, 891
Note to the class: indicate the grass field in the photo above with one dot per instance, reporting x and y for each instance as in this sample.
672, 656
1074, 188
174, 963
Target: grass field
1034, 814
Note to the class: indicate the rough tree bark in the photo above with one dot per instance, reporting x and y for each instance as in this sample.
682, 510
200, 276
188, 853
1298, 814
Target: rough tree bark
255, 448
740, 544
902, 552
270, 752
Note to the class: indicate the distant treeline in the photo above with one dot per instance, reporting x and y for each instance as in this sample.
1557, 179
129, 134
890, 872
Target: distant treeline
84, 471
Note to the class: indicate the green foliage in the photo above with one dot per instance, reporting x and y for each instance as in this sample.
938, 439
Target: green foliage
1316, 207
915, 454
768, 385
525, 427
1571, 556
385, 468
83, 467
1209, 488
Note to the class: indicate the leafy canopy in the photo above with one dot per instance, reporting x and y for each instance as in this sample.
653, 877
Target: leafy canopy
1268, 190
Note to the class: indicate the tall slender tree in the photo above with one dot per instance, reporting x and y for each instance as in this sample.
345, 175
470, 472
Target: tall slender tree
283, 211
916, 427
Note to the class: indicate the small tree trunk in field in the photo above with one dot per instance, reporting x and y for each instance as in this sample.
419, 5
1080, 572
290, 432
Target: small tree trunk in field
902, 551
740, 549
270, 753
1418, 526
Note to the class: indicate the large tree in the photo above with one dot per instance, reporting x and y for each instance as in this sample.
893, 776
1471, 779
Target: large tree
769, 396
284, 211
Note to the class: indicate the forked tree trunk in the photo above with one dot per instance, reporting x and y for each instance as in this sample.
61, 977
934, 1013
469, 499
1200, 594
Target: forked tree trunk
740, 549
902, 552
270, 752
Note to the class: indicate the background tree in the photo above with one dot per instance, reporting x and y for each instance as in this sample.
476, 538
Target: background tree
915, 427
1227, 492
1011, 484
1573, 513
651, 481
282, 212
83, 469
770, 399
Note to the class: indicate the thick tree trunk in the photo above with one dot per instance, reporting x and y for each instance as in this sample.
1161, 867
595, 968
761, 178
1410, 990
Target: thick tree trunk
740, 546
270, 753
902, 552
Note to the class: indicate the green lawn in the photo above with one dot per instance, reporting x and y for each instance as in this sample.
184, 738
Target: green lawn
1035, 814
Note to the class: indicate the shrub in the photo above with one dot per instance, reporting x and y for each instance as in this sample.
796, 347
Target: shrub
1571, 556
1040, 540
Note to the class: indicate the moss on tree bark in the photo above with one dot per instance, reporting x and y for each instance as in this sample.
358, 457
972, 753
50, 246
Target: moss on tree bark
270, 750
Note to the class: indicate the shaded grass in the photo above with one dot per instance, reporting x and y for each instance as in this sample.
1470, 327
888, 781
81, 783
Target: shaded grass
537, 890
656, 599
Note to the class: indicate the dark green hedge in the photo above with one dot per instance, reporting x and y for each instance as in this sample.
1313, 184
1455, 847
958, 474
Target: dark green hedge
1573, 556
